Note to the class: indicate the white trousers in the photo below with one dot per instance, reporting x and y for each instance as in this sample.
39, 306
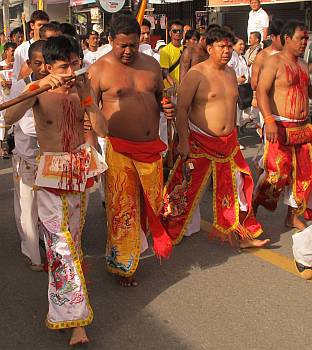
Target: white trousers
63, 217
302, 246
25, 207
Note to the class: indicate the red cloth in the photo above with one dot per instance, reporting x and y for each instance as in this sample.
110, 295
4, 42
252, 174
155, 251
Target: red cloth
59, 192
144, 151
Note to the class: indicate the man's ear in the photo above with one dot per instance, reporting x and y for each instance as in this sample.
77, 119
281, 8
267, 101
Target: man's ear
32, 26
28, 63
110, 39
49, 68
209, 49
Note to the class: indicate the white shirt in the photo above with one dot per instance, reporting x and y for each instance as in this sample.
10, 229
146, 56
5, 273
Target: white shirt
103, 50
147, 49
258, 20
89, 57
25, 137
239, 64
20, 57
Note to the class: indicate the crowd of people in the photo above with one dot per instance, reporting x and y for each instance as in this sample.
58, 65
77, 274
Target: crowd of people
108, 128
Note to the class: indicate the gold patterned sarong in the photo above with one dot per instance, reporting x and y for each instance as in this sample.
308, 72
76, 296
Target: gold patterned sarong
133, 193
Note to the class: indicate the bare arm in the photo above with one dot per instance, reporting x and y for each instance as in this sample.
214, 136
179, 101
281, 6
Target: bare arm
186, 63
265, 33
166, 75
186, 93
256, 70
95, 115
15, 113
265, 83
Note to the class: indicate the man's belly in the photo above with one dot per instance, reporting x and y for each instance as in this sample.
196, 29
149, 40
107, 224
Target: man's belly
133, 121
216, 122
290, 109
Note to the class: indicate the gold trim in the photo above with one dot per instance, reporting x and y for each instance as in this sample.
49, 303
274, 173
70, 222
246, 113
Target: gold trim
77, 264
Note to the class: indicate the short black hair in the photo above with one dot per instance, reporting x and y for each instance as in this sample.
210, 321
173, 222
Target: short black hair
276, 27
290, 28
124, 24
48, 27
217, 34
92, 32
257, 35
36, 46
9, 45
212, 26
146, 23
176, 22
16, 31
59, 48
39, 15
68, 29
192, 33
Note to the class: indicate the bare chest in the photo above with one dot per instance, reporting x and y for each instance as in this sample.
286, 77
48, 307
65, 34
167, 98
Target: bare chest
126, 83
215, 90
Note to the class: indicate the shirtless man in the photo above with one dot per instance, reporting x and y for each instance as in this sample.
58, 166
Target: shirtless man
193, 55
276, 46
66, 169
208, 144
129, 86
283, 97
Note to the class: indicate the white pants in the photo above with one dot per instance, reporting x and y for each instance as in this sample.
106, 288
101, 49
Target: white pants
25, 207
63, 217
2, 126
102, 143
302, 246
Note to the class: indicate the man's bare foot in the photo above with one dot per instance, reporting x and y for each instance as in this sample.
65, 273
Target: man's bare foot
79, 336
253, 243
127, 281
292, 220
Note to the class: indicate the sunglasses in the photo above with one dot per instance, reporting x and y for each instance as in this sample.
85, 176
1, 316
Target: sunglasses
177, 31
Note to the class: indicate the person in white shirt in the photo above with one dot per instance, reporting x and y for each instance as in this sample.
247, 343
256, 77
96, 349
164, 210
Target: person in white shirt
258, 20
90, 54
25, 166
145, 39
37, 20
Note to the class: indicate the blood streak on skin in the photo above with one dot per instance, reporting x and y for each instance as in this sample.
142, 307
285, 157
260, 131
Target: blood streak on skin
296, 98
76, 168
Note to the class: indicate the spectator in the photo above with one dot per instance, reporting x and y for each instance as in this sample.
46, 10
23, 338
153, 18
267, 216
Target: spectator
9, 49
48, 30
90, 54
170, 55
37, 20
17, 36
258, 20
2, 42
186, 28
254, 48
68, 29
145, 37
191, 38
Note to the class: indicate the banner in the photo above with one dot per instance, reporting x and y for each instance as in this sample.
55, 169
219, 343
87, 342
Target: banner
81, 2
112, 6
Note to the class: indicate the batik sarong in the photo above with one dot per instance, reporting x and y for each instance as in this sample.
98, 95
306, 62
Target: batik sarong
133, 191
220, 157
62, 205
287, 163
63, 218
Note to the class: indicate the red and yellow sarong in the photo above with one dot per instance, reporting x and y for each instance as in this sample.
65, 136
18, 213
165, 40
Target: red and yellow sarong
221, 157
287, 162
134, 177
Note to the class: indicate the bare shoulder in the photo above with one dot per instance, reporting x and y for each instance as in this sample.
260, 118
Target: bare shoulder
148, 62
230, 71
273, 60
303, 64
99, 65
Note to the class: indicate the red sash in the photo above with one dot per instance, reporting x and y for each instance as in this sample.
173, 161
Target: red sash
147, 152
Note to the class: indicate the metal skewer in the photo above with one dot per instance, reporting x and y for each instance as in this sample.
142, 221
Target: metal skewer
29, 94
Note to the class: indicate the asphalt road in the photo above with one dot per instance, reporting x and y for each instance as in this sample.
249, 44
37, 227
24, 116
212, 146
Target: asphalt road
207, 296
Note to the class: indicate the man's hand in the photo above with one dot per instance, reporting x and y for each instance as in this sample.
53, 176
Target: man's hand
271, 132
241, 79
183, 149
54, 80
83, 85
254, 102
169, 110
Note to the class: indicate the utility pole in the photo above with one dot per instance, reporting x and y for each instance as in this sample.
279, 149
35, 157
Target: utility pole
6, 17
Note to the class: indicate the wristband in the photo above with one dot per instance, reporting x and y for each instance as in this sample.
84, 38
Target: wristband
269, 120
33, 87
87, 101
